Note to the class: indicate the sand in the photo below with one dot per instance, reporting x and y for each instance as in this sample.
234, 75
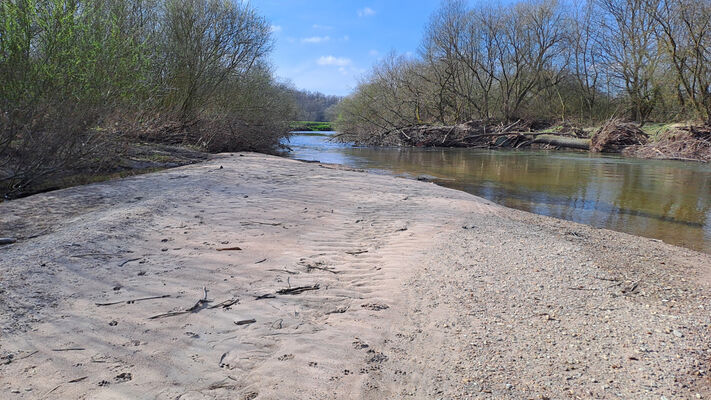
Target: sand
257, 277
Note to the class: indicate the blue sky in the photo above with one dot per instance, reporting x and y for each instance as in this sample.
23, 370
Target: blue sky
326, 45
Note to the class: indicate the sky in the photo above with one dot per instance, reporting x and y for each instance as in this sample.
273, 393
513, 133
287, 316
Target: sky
327, 45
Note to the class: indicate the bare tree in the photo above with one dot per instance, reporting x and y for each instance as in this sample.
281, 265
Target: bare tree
630, 52
685, 36
206, 42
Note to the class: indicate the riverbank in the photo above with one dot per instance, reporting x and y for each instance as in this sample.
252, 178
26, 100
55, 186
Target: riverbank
132, 159
671, 141
250, 276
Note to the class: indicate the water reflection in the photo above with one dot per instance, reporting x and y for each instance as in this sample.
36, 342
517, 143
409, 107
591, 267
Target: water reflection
659, 199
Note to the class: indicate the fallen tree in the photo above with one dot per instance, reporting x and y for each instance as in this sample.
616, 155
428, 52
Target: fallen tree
476, 134
562, 141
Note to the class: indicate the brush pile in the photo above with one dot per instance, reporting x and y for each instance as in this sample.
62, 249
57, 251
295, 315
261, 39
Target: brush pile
467, 134
616, 135
473, 134
484, 134
681, 142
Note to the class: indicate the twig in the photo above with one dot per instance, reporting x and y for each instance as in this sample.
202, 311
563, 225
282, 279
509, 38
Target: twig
229, 248
283, 270
10, 358
226, 303
261, 261
310, 267
132, 300
93, 254
78, 379
299, 289
55, 388
245, 321
356, 252
261, 223
70, 349
128, 261
447, 135
200, 305
265, 296
607, 279
631, 289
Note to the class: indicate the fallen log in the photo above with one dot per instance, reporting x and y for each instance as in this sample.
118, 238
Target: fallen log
560, 141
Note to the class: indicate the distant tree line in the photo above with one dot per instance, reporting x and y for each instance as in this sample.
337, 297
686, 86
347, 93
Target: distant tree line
80, 78
578, 61
314, 106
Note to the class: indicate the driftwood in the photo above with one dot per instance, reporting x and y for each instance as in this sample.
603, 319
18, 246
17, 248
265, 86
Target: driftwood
299, 289
226, 303
356, 252
561, 141
245, 321
131, 301
200, 305
311, 267
229, 248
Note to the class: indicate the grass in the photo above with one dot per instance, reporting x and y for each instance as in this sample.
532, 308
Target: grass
310, 126
654, 130
552, 129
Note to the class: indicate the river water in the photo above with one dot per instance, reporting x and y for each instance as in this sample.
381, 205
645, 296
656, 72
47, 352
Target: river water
666, 200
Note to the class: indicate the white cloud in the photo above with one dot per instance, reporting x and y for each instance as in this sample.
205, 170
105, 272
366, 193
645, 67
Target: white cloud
366, 12
331, 60
276, 28
315, 39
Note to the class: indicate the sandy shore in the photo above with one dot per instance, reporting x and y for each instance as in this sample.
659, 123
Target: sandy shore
256, 277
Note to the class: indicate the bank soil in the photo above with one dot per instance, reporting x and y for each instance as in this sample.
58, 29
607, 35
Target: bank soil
256, 277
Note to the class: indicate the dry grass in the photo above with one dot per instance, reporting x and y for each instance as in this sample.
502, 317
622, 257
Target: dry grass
679, 142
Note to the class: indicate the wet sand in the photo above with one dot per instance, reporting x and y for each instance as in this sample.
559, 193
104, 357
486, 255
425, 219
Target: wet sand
257, 277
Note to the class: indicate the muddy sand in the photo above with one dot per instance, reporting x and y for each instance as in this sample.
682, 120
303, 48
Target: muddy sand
257, 277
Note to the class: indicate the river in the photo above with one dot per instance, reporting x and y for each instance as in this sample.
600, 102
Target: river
666, 200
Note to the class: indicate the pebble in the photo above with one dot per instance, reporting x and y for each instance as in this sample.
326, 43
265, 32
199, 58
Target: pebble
677, 333
7, 241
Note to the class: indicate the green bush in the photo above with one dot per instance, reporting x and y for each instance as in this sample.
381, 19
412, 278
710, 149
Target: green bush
82, 79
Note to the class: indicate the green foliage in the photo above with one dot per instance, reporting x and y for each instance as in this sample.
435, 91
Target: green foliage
81, 78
